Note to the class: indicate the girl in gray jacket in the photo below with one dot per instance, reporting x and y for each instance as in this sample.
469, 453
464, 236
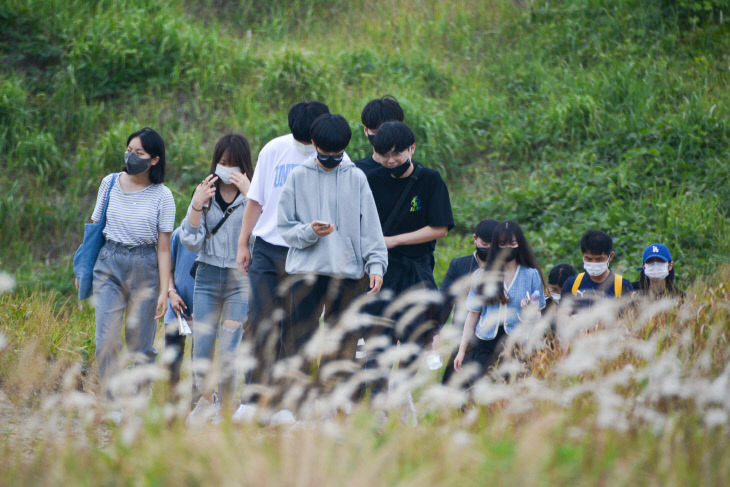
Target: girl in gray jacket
220, 298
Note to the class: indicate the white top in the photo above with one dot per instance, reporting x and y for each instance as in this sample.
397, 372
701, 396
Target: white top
276, 160
135, 218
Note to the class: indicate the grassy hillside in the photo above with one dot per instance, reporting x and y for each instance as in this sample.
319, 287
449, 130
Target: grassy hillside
560, 115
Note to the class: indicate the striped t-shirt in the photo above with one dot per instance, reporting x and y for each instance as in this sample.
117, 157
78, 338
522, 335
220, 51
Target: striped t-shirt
135, 218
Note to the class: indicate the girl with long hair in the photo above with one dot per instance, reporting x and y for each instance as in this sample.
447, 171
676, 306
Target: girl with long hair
494, 314
220, 297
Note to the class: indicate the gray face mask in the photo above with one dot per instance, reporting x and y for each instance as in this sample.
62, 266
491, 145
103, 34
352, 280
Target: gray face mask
135, 164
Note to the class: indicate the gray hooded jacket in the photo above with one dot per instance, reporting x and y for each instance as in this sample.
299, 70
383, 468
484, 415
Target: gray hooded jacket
341, 197
219, 249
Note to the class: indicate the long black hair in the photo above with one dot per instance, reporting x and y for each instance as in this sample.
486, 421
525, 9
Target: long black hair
503, 234
153, 145
237, 148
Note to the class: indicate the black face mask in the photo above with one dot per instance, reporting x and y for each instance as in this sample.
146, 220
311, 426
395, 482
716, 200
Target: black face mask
482, 253
399, 171
330, 162
371, 137
509, 254
135, 164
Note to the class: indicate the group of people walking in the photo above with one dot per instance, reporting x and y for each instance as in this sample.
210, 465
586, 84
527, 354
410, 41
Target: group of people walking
262, 255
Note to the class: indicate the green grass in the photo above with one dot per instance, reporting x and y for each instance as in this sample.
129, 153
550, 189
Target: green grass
560, 115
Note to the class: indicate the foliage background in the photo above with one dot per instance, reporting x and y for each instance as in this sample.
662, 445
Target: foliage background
561, 115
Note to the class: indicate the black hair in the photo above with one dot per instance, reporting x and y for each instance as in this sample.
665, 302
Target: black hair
153, 145
381, 110
596, 242
560, 273
331, 133
393, 136
670, 288
301, 116
238, 150
485, 228
504, 233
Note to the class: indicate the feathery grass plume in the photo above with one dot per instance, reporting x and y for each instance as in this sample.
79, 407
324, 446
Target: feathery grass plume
7, 283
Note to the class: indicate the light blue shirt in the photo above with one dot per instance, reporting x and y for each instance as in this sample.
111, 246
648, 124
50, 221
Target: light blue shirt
182, 261
526, 282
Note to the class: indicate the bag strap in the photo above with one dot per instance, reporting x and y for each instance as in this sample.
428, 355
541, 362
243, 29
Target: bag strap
618, 285
403, 196
108, 195
576, 283
228, 212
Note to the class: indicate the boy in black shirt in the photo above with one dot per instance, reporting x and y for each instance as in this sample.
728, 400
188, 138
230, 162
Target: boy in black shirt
414, 209
462, 266
376, 113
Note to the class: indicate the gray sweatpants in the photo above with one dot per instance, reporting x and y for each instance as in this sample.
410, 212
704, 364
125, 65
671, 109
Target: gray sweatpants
126, 284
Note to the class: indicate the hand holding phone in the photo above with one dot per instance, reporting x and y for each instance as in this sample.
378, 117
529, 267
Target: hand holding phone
322, 228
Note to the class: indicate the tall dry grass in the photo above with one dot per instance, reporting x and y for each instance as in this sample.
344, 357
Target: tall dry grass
621, 397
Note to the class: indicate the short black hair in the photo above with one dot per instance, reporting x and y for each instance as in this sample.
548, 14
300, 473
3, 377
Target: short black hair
153, 145
393, 136
560, 273
381, 110
485, 228
596, 242
301, 116
331, 133
238, 150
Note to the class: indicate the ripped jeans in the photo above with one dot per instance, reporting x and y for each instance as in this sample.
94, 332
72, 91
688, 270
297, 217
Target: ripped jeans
220, 296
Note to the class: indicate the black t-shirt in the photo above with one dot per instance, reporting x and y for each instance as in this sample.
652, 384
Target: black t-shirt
221, 202
367, 165
427, 203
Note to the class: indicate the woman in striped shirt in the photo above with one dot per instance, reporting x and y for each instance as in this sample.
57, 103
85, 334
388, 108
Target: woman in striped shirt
133, 268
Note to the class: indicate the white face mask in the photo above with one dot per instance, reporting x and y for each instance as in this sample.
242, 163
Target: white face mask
595, 268
224, 172
556, 297
656, 270
304, 149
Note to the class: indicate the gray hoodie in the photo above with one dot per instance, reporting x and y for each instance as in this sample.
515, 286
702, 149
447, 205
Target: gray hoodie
219, 249
341, 197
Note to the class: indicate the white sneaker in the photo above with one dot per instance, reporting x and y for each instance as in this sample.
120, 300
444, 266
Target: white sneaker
205, 411
282, 417
245, 413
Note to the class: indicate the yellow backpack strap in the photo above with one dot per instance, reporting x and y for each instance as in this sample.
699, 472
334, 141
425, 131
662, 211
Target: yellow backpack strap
618, 285
576, 283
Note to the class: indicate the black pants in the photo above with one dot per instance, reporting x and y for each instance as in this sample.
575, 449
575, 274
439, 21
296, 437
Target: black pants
311, 296
398, 324
486, 353
268, 306
406, 274
175, 342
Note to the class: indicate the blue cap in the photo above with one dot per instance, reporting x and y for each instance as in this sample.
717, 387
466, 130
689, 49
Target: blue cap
657, 250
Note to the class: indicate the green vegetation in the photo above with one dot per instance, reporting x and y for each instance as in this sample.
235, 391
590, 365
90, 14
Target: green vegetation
561, 115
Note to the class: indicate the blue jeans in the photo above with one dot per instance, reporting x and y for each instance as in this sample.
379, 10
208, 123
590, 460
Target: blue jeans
126, 284
220, 295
